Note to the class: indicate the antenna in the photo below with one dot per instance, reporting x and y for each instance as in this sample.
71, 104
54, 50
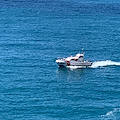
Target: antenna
82, 50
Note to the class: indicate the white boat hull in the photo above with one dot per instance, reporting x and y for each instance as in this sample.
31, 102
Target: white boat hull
62, 63
85, 63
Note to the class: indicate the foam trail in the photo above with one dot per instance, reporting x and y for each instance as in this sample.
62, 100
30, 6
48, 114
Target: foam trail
112, 115
104, 63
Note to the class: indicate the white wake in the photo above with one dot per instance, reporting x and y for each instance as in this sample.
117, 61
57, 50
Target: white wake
111, 115
104, 64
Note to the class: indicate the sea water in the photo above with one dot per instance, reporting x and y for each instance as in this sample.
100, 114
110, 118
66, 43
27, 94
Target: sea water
33, 33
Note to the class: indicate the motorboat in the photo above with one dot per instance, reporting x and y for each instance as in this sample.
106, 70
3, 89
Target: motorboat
77, 60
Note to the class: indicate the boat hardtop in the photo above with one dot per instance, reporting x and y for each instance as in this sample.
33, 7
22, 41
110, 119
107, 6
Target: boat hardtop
75, 57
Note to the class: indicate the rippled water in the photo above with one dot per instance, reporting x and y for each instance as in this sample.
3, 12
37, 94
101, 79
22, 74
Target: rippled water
33, 34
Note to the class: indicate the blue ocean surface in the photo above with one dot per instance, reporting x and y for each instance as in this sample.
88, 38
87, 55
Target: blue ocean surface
33, 33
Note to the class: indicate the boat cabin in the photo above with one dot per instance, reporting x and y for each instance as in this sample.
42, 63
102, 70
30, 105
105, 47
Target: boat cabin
78, 57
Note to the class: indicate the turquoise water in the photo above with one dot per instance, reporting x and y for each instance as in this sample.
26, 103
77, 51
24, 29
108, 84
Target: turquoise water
33, 34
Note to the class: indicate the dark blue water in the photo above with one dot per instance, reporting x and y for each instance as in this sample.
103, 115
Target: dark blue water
33, 34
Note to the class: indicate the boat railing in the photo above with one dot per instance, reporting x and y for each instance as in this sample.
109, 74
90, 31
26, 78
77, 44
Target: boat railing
60, 58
